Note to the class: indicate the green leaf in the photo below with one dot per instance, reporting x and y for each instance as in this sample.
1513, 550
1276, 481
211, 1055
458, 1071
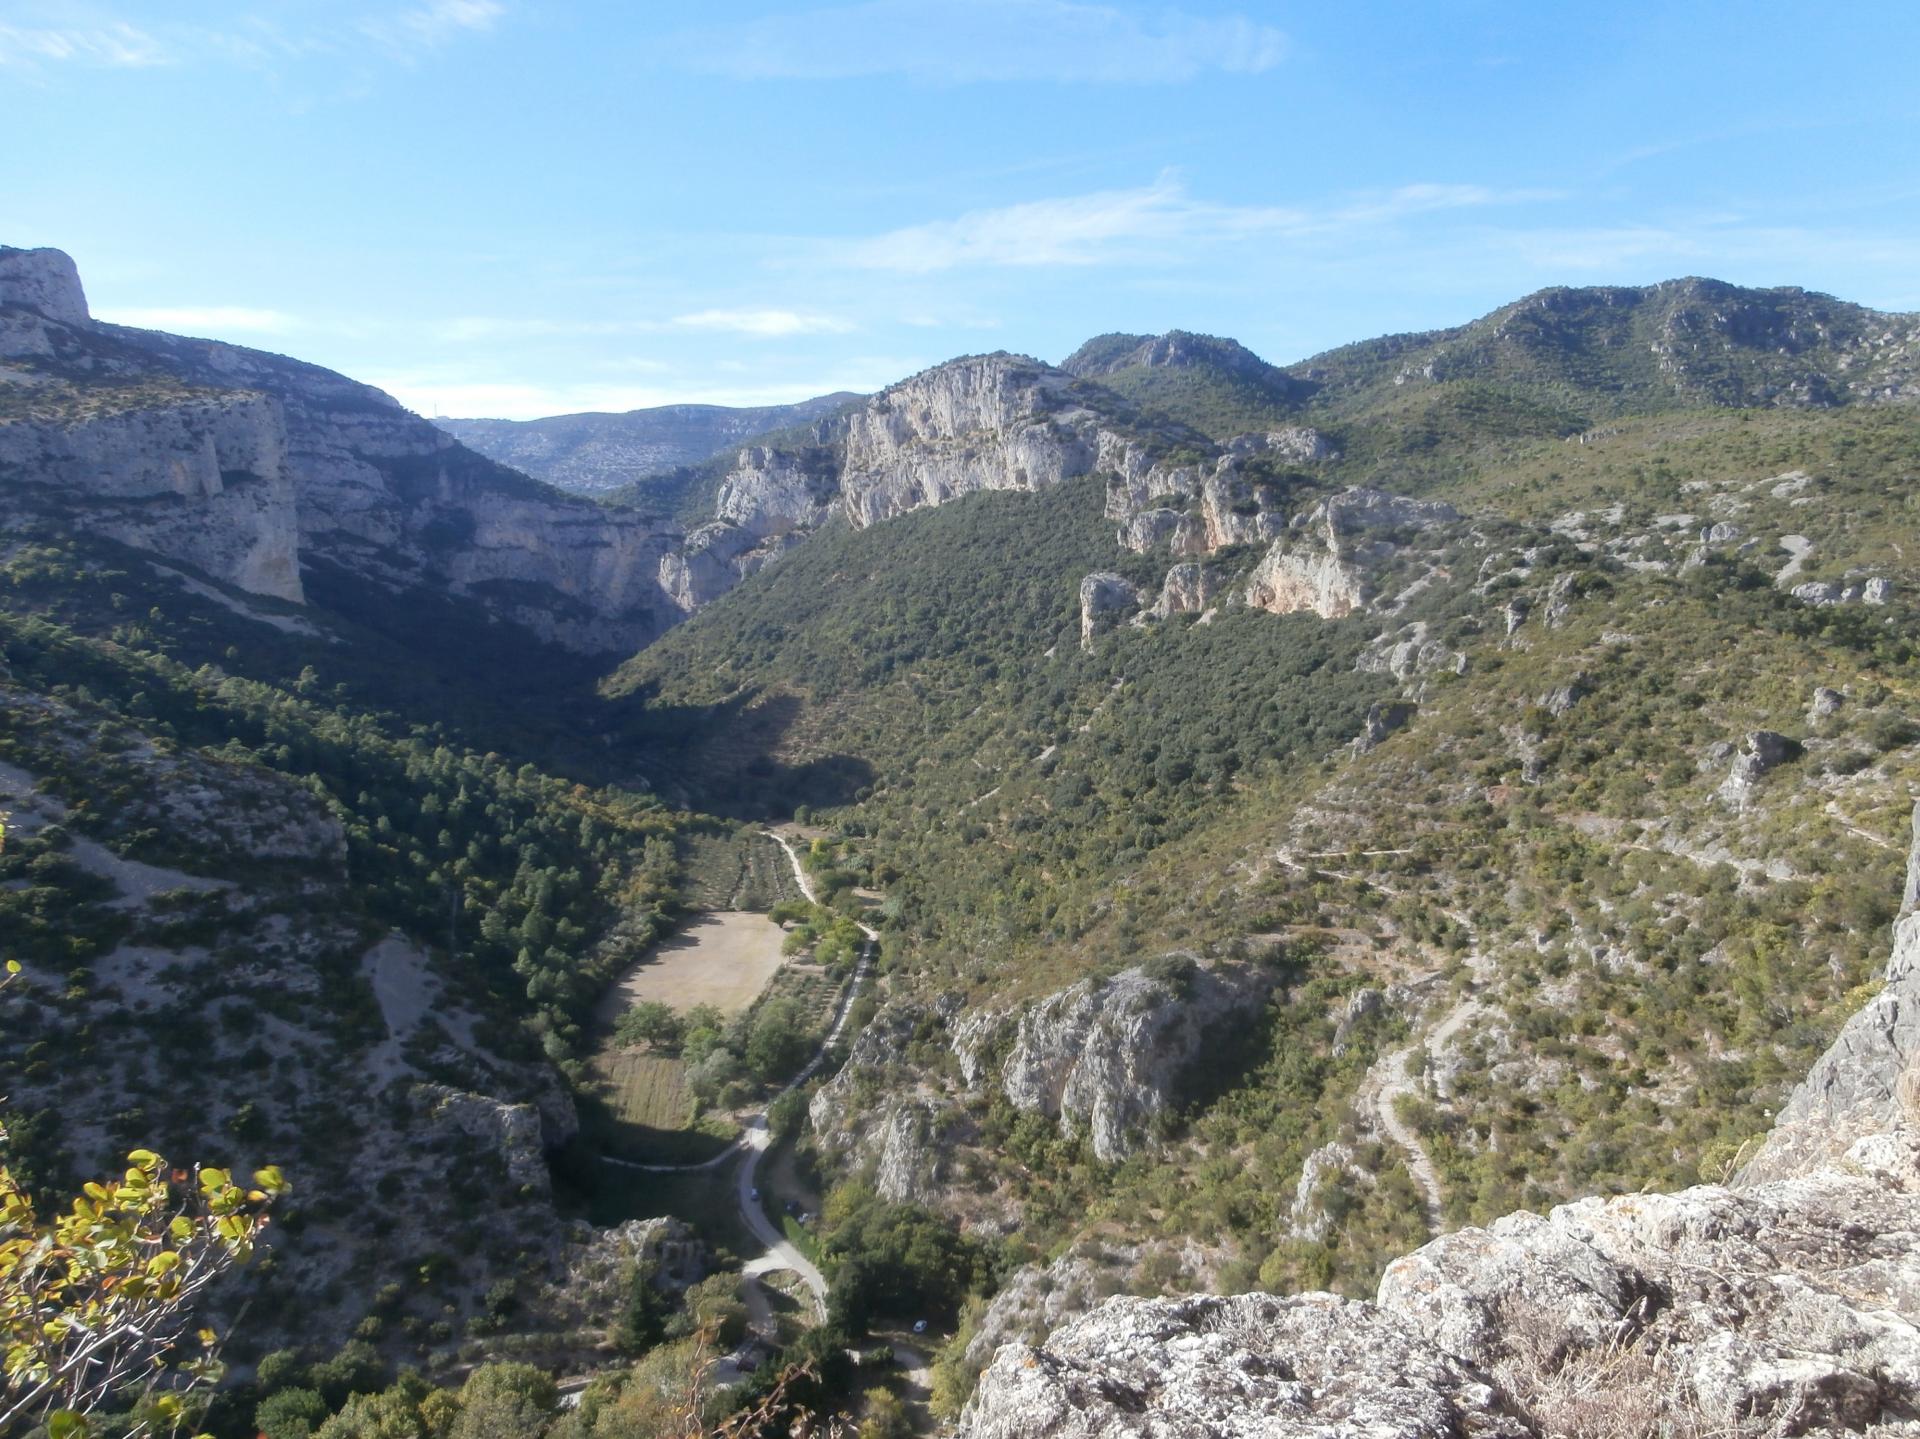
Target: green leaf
271, 1180
65, 1424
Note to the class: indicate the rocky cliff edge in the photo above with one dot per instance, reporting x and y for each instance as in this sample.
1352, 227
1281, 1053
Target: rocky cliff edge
1785, 1303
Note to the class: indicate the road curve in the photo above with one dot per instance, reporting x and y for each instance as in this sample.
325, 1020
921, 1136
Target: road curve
780, 1252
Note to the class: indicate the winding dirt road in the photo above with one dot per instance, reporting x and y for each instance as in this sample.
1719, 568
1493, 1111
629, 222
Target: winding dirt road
780, 1252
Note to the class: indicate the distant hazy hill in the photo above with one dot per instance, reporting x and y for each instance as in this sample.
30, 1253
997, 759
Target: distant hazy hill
595, 452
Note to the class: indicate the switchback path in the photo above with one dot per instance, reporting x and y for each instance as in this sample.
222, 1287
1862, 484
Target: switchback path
1390, 1079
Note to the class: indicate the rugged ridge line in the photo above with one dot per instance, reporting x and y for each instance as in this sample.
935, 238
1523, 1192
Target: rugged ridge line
251, 467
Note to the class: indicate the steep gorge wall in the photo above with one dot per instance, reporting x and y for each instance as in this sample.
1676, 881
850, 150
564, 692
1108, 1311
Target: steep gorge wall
203, 481
245, 464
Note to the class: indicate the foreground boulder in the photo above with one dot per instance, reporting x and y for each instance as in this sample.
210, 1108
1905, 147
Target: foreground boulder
1253, 1365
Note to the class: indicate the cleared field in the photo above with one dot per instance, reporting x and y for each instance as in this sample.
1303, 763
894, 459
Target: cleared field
723, 959
734, 870
647, 1089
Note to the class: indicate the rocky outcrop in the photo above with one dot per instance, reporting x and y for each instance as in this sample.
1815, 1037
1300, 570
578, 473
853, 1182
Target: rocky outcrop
994, 422
1409, 654
1781, 1308
1382, 720
880, 1111
513, 1131
1105, 600
1875, 591
1787, 1304
1327, 565
909, 1164
1037, 1299
43, 280
1253, 1365
1868, 1081
1187, 590
1760, 752
771, 492
1288, 581
711, 561
1197, 509
202, 481
1559, 700
1108, 1055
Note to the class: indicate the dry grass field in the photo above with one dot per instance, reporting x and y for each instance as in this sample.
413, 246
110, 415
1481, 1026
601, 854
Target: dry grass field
646, 1089
723, 959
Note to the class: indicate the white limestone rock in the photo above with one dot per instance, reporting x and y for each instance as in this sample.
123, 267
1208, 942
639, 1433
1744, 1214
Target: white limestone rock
1188, 589
1327, 564
1109, 1055
43, 280
1250, 1367
1105, 600
774, 492
992, 422
205, 482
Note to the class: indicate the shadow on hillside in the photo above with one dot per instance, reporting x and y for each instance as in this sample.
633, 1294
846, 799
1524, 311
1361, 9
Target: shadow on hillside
605, 1132
722, 758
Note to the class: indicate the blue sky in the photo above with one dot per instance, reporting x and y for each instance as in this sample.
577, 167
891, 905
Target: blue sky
510, 208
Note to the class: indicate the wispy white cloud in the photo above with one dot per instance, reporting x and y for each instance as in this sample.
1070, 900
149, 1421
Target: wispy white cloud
970, 41
431, 25
111, 44
766, 324
205, 320
249, 40
1110, 225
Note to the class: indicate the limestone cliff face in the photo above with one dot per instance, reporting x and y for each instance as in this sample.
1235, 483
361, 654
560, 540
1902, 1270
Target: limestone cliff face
252, 466
202, 481
43, 280
1188, 589
1109, 1055
879, 1110
995, 422
1289, 580
1328, 565
1198, 509
1786, 1305
773, 492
